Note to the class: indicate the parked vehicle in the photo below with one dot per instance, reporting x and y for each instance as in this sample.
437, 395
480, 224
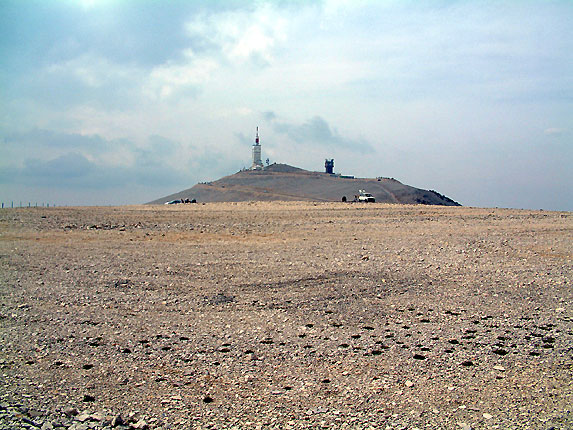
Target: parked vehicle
365, 197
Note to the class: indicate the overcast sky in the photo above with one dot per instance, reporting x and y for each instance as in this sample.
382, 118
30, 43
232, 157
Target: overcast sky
122, 102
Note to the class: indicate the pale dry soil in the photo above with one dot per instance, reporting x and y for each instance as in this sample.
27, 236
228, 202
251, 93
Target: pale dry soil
285, 315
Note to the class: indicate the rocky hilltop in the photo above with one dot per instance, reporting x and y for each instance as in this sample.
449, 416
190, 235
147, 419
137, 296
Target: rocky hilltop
288, 183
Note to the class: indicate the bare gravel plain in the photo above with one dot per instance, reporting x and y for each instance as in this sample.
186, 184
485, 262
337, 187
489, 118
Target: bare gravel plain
285, 315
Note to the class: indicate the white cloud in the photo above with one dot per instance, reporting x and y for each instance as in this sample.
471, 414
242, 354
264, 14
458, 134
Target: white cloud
166, 80
92, 71
241, 35
90, 4
554, 131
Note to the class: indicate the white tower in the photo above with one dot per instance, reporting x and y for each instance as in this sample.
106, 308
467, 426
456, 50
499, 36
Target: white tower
257, 162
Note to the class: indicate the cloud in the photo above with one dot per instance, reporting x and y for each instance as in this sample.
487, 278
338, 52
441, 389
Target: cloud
243, 139
269, 116
107, 169
180, 79
87, 79
101, 71
31, 146
68, 166
68, 170
240, 35
163, 95
43, 157
75, 171
38, 137
554, 131
316, 131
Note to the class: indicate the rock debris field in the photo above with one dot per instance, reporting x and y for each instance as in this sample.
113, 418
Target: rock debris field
285, 315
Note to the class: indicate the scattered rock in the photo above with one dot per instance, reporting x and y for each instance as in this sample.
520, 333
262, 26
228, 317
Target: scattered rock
131, 319
83, 416
70, 411
117, 421
141, 425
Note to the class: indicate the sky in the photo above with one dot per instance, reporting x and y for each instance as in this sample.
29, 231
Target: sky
121, 102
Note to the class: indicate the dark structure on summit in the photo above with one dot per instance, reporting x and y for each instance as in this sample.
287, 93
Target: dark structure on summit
329, 166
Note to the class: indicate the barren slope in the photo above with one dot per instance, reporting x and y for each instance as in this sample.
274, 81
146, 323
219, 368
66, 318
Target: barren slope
285, 315
287, 183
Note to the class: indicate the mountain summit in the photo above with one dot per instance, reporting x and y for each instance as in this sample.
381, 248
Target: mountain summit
284, 182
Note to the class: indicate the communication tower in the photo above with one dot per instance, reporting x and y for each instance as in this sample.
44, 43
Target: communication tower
257, 162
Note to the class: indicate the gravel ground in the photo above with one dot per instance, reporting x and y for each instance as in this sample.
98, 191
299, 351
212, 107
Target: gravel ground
285, 315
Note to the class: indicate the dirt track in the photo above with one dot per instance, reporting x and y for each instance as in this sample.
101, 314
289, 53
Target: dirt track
278, 315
